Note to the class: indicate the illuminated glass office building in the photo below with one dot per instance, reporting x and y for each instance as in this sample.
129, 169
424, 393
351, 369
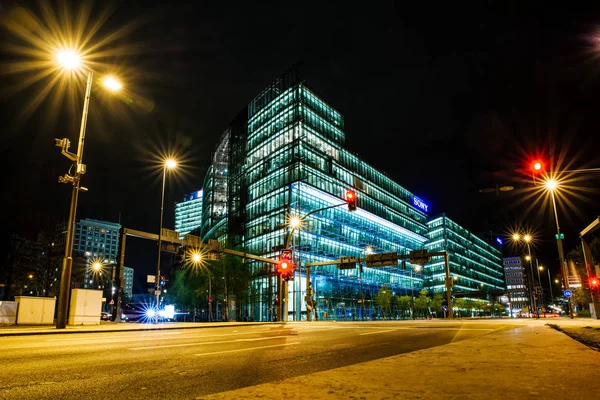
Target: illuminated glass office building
284, 155
188, 213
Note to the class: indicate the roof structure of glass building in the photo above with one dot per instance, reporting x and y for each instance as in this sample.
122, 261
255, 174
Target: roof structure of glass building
283, 155
188, 213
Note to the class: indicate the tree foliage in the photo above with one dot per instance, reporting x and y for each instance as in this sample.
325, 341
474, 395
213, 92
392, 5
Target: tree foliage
421, 303
383, 298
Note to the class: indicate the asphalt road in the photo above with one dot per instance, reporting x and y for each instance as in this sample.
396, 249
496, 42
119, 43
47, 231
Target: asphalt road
181, 364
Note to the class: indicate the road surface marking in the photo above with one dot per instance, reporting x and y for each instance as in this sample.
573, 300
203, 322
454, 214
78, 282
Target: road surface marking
165, 346
261, 338
248, 349
374, 333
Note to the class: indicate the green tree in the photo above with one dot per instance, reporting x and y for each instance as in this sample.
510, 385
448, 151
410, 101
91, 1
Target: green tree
435, 304
460, 305
421, 303
582, 297
383, 299
403, 303
499, 309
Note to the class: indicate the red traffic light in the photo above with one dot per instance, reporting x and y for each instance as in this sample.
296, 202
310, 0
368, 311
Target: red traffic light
285, 267
351, 199
537, 166
594, 282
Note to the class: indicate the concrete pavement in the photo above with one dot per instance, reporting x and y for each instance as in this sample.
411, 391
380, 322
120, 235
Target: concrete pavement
527, 362
532, 360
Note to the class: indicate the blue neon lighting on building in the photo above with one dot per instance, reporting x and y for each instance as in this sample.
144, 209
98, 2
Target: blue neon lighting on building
499, 241
420, 204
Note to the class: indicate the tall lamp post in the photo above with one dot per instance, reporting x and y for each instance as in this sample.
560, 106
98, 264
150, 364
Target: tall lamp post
527, 238
552, 185
168, 164
71, 61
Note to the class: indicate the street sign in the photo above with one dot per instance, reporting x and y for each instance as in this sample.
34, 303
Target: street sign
382, 259
568, 293
210, 298
112, 302
444, 308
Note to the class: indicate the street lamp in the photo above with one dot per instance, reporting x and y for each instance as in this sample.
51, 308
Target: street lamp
96, 267
527, 239
168, 164
71, 61
197, 261
552, 185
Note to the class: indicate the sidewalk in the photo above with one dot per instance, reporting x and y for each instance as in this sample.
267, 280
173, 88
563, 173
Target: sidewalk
21, 330
527, 362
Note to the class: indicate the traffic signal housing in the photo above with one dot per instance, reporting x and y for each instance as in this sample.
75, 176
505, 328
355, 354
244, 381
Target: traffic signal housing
351, 199
594, 283
286, 267
537, 166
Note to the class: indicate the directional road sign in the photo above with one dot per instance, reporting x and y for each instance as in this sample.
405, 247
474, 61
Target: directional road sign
568, 293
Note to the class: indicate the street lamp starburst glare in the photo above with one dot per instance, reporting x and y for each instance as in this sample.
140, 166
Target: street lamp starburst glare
551, 184
295, 221
170, 163
68, 59
112, 84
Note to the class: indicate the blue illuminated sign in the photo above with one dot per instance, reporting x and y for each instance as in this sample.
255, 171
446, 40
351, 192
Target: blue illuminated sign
420, 204
499, 241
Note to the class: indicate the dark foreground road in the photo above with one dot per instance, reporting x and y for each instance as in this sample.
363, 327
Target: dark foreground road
181, 364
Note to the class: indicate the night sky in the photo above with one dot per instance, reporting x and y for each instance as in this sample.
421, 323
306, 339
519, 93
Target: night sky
445, 99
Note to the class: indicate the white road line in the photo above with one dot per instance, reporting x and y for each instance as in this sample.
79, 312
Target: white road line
374, 333
248, 349
261, 338
153, 337
165, 346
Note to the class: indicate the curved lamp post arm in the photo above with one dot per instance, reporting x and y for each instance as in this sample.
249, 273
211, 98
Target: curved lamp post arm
287, 241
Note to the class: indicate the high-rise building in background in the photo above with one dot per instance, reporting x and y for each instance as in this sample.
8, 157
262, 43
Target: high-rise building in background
188, 213
284, 155
128, 285
514, 275
97, 239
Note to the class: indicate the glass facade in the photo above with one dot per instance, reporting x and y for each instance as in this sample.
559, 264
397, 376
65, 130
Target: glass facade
284, 156
475, 264
188, 213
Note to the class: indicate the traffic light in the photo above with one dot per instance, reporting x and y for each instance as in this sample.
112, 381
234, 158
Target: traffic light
594, 283
351, 199
285, 267
537, 166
